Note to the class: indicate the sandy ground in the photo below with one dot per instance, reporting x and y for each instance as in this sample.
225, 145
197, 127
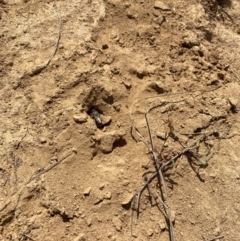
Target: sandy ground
63, 175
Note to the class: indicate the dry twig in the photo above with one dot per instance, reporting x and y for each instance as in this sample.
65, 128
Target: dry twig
59, 34
161, 163
48, 168
5, 205
133, 128
39, 69
27, 236
19, 192
161, 182
213, 239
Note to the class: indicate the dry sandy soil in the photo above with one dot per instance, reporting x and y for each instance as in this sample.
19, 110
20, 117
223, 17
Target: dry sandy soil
65, 177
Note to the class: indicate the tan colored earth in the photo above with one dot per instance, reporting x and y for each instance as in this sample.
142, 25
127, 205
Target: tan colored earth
63, 176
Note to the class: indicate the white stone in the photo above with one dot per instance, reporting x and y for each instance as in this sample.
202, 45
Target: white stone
80, 118
161, 5
87, 191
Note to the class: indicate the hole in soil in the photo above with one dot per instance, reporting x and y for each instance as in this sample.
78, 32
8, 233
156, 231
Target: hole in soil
104, 46
127, 206
216, 134
119, 143
224, 3
197, 130
208, 36
157, 88
109, 100
140, 75
214, 82
7, 219
65, 218
233, 109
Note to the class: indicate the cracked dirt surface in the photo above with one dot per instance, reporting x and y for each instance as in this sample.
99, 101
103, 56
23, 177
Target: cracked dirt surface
65, 177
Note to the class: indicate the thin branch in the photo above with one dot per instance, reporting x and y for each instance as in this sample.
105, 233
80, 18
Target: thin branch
59, 35
27, 236
5, 205
161, 181
160, 199
213, 239
19, 192
135, 129
22, 138
39, 69
48, 168
140, 192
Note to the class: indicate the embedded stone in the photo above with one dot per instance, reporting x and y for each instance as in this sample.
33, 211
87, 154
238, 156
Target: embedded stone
80, 118
161, 5
87, 191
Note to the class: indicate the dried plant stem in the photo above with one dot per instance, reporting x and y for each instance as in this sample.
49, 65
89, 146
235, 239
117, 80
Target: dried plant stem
40, 68
59, 34
27, 236
49, 168
133, 128
162, 183
140, 193
213, 239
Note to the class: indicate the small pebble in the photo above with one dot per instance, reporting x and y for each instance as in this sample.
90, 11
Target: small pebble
74, 150
87, 191
161, 5
106, 119
101, 186
99, 198
121, 162
117, 223
161, 135
89, 222
107, 195
150, 232
80, 118
80, 237
233, 102
127, 199
190, 40
42, 140
54, 158
162, 225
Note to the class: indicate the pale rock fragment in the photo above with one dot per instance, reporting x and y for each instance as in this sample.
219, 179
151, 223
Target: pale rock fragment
127, 199
89, 222
150, 232
162, 225
99, 198
80, 237
42, 140
190, 40
106, 119
233, 102
107, 140
117, 223
80, 118
162, 135
107, 195
161, 5
87, 191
